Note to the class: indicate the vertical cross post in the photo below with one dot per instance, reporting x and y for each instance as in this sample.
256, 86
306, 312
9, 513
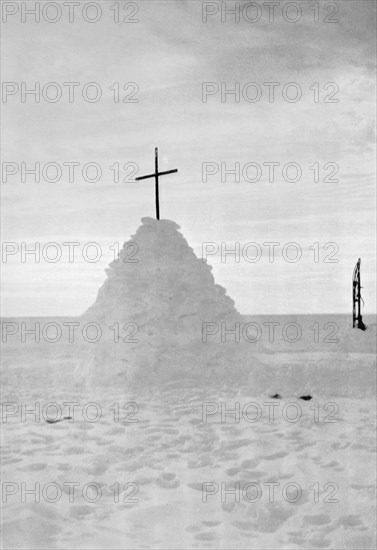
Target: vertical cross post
156, 180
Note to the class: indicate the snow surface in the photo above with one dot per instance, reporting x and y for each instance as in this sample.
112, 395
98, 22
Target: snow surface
170, 377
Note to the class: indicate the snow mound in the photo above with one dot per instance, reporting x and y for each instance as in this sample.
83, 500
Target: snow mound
151, 310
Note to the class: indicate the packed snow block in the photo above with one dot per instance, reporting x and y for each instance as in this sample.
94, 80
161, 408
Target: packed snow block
151, 309
315, 374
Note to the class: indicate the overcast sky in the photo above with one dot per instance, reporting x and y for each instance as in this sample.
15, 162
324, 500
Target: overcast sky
169, 53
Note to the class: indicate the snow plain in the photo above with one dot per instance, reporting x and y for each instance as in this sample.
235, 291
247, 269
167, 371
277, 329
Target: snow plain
180, 441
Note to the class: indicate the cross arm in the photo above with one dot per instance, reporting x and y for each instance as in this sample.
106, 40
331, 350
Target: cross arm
168, 172
154, 175
145, 177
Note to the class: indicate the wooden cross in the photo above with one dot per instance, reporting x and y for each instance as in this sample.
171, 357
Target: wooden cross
155, 176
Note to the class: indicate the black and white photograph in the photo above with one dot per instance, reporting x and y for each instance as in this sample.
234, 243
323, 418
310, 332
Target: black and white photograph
188, 275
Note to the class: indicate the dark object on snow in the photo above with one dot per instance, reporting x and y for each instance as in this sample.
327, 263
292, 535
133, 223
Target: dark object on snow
357, 321
306, 397
58, 420
276, 396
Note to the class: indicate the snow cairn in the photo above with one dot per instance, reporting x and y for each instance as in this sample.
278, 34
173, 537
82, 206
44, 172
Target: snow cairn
151, 309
